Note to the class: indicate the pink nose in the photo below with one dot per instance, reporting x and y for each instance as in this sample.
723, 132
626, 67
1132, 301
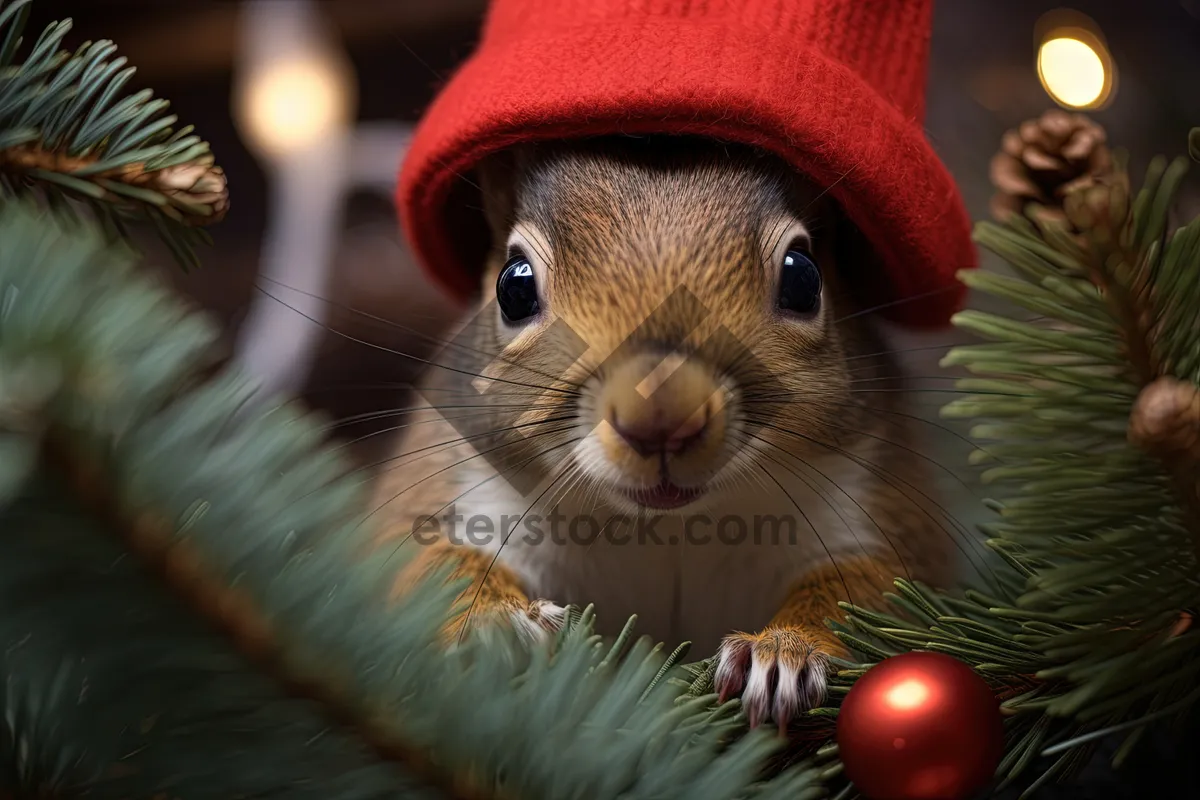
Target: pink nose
658, 434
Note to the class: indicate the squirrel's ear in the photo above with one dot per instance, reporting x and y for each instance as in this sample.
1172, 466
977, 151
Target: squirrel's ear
857, 263
492, 188
497, 176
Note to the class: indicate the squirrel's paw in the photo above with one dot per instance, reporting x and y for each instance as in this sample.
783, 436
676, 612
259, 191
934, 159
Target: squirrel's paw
538, 620
534, 621
778, 673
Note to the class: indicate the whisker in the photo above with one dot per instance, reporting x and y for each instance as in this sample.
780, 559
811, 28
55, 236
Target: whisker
833, 184
829, 501
541, 253
884, 475
905, 350
911, 451
939, 426
429, 67
876, 437
903, 378
458, 463
921, 390
816, 533
446, 445
393, 428
501, 473
776, 395
496, 557
899, 351
427, 362
459, 391
911, 299
416, 333
574, 476
912, 378
461, 440
603, 528
459, 174
900, 302
358, 387
785, 397
372, 416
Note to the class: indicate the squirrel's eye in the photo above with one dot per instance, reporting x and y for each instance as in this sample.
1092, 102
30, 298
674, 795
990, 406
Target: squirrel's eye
799, 283
516, 290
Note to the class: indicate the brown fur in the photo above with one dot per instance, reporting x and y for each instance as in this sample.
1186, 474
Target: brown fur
497, 600
623, 223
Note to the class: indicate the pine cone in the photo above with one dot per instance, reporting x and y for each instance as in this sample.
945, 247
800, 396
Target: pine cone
1166, 419
198, 183
1044, 160
1102, 209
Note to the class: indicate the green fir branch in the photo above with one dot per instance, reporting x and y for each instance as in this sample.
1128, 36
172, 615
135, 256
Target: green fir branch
193, 605
1097, 533
68, 133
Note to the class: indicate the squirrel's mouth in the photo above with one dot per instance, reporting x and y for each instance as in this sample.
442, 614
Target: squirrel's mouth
665, 496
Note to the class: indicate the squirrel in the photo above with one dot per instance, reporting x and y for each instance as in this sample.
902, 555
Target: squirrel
665, 370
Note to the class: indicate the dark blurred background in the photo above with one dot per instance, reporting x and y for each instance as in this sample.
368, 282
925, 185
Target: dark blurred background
393, 54
316, 214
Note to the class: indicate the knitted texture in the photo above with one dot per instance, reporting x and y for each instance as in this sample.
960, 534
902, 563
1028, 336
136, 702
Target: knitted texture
834, 87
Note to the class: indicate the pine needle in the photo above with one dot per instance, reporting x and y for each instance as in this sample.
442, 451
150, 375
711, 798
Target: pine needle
68, 134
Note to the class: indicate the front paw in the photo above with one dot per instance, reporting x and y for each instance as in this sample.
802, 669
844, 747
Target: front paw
534, 621
778, 673
538, 621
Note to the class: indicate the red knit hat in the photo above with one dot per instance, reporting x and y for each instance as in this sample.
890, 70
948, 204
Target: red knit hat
835, 87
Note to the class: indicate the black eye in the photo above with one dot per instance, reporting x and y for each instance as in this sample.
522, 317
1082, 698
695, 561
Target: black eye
516, 290
799, 283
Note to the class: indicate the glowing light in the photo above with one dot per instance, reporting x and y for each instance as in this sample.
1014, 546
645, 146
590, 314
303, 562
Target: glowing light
290, 104
1074, 64
1073, 72
907, 695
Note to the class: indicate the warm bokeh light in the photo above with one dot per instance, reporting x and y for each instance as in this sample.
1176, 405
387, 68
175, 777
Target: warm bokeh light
907, 695
289, 105
1074, 72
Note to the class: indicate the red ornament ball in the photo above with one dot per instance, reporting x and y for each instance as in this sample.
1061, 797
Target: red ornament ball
920, 726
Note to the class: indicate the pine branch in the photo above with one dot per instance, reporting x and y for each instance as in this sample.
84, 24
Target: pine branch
223, 600
238, 619
68, 136
1098, 525
1104, 531
213, 601
114, 689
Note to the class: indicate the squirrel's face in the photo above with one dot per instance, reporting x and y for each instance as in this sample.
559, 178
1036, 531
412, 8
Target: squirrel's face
681, 304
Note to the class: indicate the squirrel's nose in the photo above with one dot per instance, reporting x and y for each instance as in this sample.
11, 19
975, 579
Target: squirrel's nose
659, 433
660, 405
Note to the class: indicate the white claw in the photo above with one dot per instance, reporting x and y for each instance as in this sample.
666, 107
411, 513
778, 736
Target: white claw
774, 682
538, 621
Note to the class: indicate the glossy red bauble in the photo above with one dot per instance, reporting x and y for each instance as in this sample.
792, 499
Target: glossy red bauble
920, 726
